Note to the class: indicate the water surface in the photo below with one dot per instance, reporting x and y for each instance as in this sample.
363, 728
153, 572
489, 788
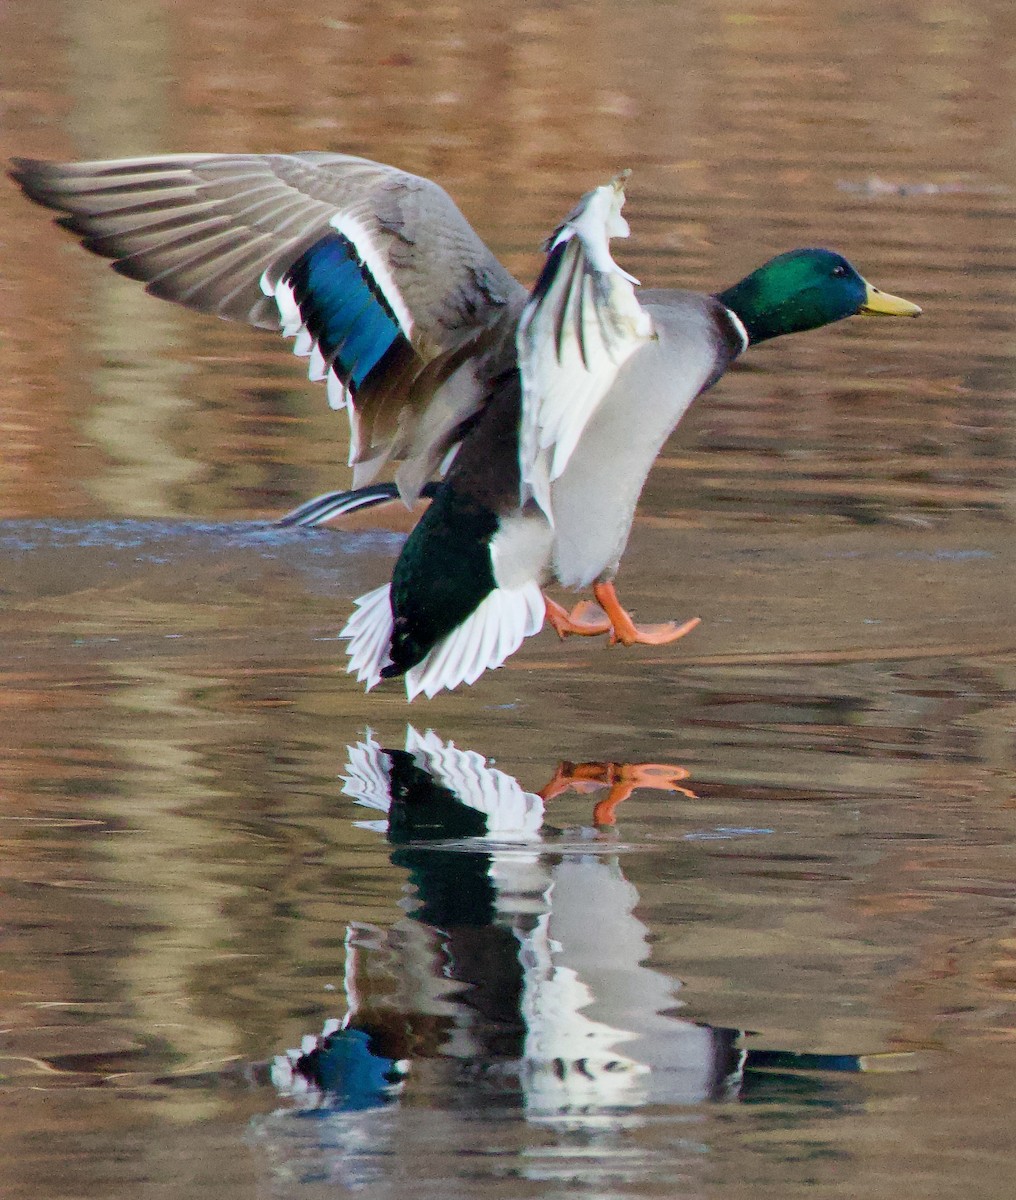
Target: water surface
785, 962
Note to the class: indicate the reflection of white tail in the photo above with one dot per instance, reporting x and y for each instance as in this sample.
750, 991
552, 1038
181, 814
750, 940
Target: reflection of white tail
600, 1035
493, 631
511, 813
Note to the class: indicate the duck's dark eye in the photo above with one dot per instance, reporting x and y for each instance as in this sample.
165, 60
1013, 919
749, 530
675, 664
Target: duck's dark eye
841, 270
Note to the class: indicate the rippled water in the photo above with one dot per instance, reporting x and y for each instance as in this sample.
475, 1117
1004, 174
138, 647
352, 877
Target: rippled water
757, 936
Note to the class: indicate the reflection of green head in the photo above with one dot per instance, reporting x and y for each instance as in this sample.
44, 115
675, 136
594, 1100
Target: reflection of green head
804, 289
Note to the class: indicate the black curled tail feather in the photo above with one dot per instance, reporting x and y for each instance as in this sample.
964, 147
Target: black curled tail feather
330, 505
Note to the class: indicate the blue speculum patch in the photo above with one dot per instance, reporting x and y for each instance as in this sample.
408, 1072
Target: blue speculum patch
344, 309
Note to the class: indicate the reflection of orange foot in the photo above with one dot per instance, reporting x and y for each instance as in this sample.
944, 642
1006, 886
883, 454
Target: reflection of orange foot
623, 629
621, 778
574, 622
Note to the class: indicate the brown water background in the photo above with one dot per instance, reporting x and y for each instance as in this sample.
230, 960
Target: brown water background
180, 869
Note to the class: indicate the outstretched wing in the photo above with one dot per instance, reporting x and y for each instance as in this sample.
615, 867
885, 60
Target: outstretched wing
374, 271
580, 324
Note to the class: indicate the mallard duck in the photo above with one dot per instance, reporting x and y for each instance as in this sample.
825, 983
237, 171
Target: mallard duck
545, 410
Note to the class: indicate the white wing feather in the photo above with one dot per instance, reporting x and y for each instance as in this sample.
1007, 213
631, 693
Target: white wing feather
582, 322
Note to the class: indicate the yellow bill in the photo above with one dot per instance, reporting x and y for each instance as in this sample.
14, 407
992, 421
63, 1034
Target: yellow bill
890, 306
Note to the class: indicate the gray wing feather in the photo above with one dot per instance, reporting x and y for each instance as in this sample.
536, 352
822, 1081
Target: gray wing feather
201, 229
208, 230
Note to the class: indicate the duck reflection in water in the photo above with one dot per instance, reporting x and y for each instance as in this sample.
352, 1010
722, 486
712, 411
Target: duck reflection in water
521, 965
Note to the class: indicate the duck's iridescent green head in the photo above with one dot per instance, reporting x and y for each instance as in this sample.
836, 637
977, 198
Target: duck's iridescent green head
804, 289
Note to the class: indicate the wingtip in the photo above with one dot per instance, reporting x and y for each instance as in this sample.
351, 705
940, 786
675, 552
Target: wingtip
30, 175
18, 165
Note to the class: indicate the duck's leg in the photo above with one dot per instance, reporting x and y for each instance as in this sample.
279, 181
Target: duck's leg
623, 629
621, 778
565, 622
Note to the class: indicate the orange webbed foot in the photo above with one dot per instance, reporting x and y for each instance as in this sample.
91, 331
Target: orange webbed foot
630, 634
629, 776
624, 630
574, 622
621, 778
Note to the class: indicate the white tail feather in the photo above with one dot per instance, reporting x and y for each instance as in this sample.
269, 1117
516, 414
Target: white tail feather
369, 631
493, 631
